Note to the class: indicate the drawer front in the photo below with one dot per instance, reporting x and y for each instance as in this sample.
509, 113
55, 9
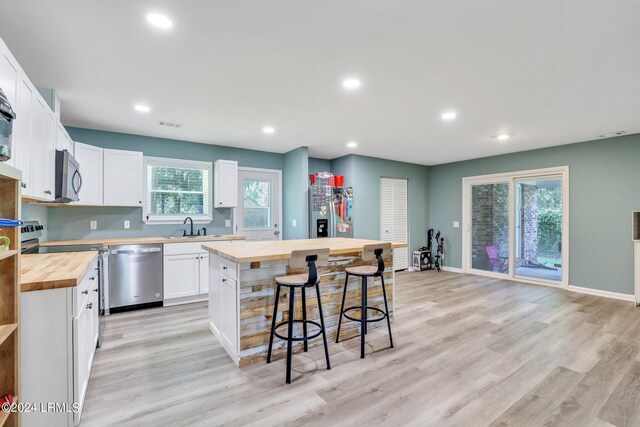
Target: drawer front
187, 247
228, 268
86, 286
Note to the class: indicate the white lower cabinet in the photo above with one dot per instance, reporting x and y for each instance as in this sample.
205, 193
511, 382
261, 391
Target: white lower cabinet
181, 275
223, 304
59, 332
186, 272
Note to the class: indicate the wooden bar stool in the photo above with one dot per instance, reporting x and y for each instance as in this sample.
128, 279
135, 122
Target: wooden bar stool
300, 259
369, 252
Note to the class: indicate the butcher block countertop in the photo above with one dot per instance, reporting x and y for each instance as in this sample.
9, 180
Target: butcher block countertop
53, 271
281, 249
143, 240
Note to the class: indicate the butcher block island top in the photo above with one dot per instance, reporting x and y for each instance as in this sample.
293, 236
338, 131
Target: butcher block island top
53, 271
281, 249
242, 291
117, 241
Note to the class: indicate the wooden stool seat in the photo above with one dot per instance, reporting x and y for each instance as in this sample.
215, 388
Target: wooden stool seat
300, 259
369, 252
362, 270
294, 280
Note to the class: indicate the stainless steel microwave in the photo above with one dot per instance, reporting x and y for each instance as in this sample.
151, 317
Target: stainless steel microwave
68, 178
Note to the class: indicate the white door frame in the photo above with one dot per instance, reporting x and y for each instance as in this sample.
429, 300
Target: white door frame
279, 172
511, 177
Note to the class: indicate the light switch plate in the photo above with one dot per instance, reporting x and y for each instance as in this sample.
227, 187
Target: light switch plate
456, 224
127, 224
93, 225
293, 222
227, 223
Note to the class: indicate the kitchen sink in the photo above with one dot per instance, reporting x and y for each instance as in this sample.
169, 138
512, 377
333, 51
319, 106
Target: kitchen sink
191, 237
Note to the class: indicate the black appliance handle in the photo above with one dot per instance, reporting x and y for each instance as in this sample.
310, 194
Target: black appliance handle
77, 172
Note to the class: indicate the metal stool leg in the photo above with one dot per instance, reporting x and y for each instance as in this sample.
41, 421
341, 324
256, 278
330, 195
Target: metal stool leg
386, 307
292, 293
324, 334
344, 295
304, 318
363, 316
273, 322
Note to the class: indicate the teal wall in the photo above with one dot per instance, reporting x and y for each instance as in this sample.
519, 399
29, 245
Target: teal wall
176, 149
604, 188
295, 179
319, 165
73, 222
344, 166
365, 179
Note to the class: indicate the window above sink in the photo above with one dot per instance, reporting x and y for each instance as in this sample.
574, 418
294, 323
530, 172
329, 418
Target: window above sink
177, 189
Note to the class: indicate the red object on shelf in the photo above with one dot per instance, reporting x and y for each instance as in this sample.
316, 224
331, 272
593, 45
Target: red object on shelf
312, 178
6, 399
331, 181
339, 180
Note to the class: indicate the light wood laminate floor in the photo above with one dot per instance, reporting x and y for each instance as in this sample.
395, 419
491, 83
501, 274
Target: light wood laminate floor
470, 351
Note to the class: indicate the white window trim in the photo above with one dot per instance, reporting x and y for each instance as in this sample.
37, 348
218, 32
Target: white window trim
176, 219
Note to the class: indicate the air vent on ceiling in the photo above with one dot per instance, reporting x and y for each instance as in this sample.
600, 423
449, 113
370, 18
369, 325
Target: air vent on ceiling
169, 124
612, 134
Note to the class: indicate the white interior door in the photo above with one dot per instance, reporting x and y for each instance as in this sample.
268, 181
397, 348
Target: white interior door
394, 221
259, 198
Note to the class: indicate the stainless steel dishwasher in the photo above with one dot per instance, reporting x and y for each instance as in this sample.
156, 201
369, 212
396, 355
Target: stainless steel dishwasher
135, 277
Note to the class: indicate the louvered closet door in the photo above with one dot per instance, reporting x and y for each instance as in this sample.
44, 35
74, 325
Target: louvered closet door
394, 218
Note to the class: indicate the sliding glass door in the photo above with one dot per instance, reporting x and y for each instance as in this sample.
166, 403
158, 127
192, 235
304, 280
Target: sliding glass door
490, 227
539, 228
516, 225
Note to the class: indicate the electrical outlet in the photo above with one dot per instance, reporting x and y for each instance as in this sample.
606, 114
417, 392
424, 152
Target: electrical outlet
227, 223
127, 224
93, 225
456, 224
293, 222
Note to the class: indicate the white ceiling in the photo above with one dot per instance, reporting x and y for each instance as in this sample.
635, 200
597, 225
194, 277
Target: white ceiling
549, 71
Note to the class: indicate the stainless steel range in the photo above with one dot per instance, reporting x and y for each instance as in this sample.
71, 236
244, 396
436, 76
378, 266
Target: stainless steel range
31, 233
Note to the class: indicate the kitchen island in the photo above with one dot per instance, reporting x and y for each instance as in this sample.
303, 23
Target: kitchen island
242, 291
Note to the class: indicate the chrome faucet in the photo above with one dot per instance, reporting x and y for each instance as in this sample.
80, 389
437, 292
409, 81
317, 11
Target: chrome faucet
184, 233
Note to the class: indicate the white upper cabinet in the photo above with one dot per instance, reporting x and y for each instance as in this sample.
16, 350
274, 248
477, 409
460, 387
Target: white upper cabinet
49, 155
225, 181
9, 76
63, 141
22, 132
90, 160
123, 178
35, 132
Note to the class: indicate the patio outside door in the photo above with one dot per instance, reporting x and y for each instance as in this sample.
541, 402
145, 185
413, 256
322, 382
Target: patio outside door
258, 211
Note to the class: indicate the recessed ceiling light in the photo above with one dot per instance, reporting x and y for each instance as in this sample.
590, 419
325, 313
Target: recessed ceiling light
449, 116
503, 136
141, 108
352, 144
268, 130
159, 21
351, 83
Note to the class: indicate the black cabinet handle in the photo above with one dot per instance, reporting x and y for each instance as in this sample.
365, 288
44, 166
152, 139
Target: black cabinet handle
90, 305
92, 278
95, 290
85, 292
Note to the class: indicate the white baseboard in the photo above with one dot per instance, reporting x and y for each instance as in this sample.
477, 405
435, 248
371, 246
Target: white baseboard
452, 269
601, 293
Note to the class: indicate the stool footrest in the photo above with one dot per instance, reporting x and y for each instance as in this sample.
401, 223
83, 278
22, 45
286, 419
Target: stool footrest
375, 319
309, 337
